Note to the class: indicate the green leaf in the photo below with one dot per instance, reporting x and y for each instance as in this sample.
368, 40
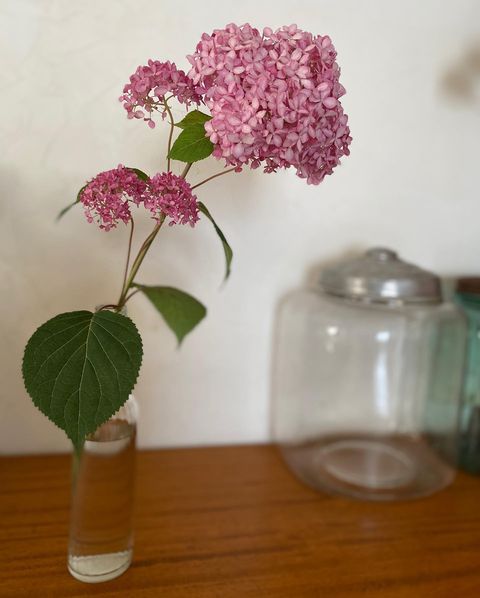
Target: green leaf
65, 210
181, 311
80, 367
226, 247
195, 117
70, 206
191, 145
141, 175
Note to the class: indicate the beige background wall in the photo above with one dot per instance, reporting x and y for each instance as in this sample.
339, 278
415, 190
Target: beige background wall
412, 72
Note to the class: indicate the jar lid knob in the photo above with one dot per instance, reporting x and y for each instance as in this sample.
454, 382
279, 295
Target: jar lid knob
382, 254
381, 276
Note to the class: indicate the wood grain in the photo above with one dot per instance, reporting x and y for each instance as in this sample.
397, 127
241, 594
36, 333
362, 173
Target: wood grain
233, 522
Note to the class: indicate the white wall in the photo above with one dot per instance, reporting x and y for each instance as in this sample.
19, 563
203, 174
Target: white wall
412, 72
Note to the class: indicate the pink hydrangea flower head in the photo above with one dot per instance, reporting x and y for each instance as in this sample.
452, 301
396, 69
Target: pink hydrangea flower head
148, 86
274, 99
172, 195
105, 198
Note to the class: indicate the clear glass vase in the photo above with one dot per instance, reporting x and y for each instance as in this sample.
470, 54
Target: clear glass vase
101, 532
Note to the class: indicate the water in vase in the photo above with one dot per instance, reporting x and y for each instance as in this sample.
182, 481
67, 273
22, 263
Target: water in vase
101, 538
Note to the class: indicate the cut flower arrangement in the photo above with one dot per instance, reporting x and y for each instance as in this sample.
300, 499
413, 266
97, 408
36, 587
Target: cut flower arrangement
269, 99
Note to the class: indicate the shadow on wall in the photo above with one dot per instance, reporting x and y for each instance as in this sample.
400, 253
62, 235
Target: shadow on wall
461, 82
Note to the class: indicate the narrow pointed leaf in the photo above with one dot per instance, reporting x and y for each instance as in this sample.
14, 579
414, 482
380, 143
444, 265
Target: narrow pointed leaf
195, 117
62, 213
191, 145
70, 206
226, 247
80, 367
181, 311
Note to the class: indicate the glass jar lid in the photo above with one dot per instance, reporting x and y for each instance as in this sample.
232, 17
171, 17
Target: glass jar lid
381, 276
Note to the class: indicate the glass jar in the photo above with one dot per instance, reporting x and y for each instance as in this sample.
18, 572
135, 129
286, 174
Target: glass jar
101, 532
468, 297
367, 375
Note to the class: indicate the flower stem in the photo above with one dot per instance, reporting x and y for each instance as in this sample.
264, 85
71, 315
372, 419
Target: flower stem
138, 261
131, 295
129, 277
186, 169
128, 253
170, 135
107, 306
213, 177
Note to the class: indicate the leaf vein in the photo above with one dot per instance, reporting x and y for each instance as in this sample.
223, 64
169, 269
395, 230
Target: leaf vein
56, 351
56, 334
58, 376
115, 338
113, 365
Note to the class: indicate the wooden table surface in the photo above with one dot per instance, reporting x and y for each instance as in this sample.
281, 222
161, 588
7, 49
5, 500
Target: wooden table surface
233, 522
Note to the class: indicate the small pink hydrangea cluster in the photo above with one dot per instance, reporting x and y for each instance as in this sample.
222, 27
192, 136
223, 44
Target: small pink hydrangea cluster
274, 99
172, 195
107, 197
148, 86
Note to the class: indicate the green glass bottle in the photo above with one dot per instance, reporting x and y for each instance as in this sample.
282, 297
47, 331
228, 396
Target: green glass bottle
468, 297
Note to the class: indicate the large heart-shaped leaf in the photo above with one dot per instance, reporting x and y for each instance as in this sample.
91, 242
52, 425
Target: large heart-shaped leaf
80, 367
181, 311
227, 250
191, 145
